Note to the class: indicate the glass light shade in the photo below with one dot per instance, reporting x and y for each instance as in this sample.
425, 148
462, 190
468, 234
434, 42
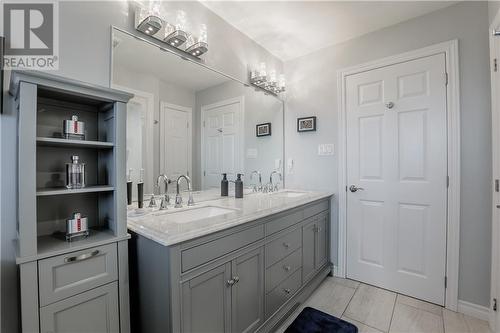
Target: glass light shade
203, 37
262, 69
282, 82
155, 8
180, 20
272, 76
190, 41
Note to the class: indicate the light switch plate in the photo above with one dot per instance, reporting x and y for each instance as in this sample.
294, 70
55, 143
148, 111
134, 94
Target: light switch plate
326, 149
289, 166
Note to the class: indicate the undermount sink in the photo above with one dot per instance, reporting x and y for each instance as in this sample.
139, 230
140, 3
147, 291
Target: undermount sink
289, 194
195, 214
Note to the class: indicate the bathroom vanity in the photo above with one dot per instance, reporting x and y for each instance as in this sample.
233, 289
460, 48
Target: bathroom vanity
228, 265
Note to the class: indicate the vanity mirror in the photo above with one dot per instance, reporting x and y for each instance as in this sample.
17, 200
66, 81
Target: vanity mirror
188, 119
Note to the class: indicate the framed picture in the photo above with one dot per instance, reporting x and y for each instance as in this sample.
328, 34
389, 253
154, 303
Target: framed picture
306, 124
263, 129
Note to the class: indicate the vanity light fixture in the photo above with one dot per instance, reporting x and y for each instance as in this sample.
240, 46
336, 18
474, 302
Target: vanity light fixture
175, 34
268, 82
149, 19
150, 22
198, 46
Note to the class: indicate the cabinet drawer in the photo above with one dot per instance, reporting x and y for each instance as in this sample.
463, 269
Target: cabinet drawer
283, 222
316, 208
283, 269
283, 292
195, 256
283, 246
92, 311
72, 273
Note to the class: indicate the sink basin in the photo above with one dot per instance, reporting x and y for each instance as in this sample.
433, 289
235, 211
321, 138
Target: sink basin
289, 194
194, 214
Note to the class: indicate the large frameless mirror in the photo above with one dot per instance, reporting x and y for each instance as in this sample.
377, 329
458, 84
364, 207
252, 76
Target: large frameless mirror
188, 119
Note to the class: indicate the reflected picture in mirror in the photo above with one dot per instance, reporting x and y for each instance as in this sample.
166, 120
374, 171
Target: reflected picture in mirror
188, 119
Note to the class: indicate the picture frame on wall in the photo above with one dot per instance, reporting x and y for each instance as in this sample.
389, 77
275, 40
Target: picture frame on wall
263, 129
306, 124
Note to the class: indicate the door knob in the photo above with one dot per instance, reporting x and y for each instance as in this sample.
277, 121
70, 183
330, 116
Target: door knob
389, 105
354, 188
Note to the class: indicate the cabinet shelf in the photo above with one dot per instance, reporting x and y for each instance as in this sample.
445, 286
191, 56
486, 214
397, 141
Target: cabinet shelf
63, 190
58, 142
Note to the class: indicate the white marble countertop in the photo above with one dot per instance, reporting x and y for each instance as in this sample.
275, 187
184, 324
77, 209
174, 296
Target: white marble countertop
160, 226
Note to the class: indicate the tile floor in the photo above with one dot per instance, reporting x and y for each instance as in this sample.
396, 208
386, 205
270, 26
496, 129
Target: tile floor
375, 310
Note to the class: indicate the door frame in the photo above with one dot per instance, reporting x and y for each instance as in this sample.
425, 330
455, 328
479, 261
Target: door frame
239, 99
189, 111
495, 137
150, 98
450, 49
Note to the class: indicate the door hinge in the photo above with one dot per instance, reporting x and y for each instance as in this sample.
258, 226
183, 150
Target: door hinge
445, 79
346, 188
497, 185
494, 304
495, 65
445, 282
204, 173
447, 181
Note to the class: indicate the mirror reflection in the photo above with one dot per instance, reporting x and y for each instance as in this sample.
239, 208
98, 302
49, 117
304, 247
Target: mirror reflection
186, 119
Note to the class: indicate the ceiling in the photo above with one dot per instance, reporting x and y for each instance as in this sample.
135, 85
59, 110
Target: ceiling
141, 57
290, 29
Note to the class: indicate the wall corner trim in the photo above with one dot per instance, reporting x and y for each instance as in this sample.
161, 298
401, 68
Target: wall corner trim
473, 310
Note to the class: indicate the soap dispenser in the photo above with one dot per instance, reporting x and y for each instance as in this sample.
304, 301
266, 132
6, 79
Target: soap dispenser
238, 186
224, 186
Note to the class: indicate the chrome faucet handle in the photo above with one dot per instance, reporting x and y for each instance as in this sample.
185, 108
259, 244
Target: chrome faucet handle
164, 203
152, 202
167, 198
191, 199
178, 201
277, 186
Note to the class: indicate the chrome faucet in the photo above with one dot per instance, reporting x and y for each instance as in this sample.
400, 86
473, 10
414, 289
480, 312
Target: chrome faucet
165, 200
274, 187
255, 188
178, 197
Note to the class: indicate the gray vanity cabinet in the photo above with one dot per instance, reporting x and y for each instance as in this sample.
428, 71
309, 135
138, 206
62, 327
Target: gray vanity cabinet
314, 245
92, 311
206, 301
227, 298
247, 293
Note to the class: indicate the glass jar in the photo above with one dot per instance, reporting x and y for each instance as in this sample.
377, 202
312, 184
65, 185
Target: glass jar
75, 173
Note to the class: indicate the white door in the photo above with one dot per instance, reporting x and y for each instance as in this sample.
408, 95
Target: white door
222, 140
175, 141
397, 154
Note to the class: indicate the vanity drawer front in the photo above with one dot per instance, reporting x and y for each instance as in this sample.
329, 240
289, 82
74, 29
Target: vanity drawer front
316, 208
283, 292
72, 273
283, 269
283, 246
195, 256
284, 222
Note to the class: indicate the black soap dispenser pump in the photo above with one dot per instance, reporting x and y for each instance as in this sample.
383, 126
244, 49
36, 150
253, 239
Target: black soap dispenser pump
129, 187
224, 186
238, 186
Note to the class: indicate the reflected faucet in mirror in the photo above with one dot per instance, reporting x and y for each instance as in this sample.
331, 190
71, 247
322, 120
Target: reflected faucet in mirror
255, 187
178, 197
274, 186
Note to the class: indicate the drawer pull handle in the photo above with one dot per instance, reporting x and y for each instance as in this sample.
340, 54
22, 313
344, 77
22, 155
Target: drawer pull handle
287, 245
287, 291
287, 268
82, 256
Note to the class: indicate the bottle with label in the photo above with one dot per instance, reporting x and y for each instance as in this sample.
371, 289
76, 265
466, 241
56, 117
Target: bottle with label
238, 186
75, 173
224, 186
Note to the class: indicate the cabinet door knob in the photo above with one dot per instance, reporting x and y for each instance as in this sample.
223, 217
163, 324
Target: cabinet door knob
236, 279
230, 282
287, 290
287, 245
286, 268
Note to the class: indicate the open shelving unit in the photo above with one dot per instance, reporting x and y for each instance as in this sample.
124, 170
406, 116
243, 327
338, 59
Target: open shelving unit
44, 102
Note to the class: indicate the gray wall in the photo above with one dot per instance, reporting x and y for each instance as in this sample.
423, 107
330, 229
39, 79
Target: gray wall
313, 91
493, 8
85, 52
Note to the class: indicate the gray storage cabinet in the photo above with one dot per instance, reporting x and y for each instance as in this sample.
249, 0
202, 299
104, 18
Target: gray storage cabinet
79, 286
243, 279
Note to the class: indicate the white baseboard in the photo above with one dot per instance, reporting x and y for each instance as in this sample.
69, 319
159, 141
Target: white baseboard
473, 310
